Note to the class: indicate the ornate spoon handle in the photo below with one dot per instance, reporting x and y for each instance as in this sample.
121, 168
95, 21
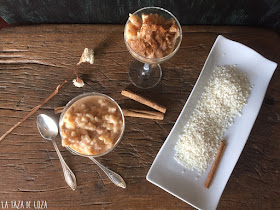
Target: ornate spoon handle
114, 177
68, 174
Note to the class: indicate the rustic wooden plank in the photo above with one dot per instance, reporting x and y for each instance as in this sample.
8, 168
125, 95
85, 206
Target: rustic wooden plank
35, 59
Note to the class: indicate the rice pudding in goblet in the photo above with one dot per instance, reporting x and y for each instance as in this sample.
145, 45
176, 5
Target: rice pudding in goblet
152, 35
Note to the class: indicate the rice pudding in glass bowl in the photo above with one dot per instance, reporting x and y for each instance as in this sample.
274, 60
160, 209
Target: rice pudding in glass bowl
91, 124
152, 35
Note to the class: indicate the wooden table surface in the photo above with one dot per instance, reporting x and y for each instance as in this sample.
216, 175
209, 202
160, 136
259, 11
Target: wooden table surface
35, 59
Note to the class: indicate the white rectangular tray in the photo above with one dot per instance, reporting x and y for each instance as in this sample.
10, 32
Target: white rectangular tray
167, 174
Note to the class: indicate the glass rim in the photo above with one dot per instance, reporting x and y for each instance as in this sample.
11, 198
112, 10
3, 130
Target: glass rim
155, 60
71, 102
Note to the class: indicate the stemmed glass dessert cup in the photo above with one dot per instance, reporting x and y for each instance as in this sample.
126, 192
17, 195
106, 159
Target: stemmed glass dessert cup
146, 72
113, 176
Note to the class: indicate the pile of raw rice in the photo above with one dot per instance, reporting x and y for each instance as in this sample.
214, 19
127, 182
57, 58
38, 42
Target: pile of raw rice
223, 99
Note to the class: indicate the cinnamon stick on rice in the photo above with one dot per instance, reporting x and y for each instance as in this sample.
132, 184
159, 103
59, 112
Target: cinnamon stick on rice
215, 165
143, 100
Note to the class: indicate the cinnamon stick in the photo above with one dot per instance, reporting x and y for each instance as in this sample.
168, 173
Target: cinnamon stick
143, 114
143, 100
33, 111
215, 165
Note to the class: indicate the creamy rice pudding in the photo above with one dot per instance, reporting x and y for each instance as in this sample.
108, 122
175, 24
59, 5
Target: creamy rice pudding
92, 125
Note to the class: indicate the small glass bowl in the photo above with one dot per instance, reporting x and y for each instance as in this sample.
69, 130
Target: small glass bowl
71, 102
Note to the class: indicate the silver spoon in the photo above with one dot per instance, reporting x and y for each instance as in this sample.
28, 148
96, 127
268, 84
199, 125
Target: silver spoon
48, 130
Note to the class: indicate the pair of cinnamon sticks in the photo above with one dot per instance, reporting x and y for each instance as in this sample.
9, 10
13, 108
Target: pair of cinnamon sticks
156, 115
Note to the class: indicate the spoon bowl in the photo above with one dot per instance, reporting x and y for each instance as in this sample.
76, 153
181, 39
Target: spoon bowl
47, 127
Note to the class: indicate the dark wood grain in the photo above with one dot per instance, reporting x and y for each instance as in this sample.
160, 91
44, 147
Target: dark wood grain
35, 59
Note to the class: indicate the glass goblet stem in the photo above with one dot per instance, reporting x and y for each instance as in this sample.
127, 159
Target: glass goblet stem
146, 69
144, 75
